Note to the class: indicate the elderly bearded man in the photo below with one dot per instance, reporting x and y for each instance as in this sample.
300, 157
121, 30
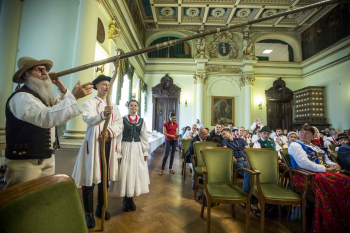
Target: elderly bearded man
32, 113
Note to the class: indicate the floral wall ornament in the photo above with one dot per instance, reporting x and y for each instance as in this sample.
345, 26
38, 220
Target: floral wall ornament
113, 32
243, 13
218, 12
201, 48
192, 12
167, 11
268, 13
223, 69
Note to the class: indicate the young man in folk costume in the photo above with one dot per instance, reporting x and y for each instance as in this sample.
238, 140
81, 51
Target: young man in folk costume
88, 167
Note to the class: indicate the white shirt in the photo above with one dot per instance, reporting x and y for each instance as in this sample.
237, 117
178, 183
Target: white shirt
189, 135
253, 126
28, 108
200, 125
255, 138
301, 158
328, 142
282, 140
273, 135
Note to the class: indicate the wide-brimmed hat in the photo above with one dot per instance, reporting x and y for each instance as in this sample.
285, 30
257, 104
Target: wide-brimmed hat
25, 63
100, 79
265, 129
341, 136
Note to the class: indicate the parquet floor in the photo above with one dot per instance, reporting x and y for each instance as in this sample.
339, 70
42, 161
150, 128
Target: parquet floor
170, 207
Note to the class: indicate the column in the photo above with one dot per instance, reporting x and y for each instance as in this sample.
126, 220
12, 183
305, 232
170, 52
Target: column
10, 18
247, 81
199, 81
84, 53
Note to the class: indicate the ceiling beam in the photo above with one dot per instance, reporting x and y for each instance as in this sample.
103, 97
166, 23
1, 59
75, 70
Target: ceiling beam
314, 11
154, 13
259, 12
231, 14
206, 12
179, 11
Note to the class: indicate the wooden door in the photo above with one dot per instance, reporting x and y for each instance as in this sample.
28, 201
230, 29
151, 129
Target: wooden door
279, 114
164, 107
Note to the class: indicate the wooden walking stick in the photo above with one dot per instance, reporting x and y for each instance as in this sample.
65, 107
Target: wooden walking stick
103, 143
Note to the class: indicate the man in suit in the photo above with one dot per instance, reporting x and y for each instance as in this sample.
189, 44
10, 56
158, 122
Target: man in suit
344, 152
202, 136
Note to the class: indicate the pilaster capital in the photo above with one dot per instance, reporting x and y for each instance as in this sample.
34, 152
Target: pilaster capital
247, 79
200, 78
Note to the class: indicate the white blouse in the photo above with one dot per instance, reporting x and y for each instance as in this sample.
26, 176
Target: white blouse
301, 158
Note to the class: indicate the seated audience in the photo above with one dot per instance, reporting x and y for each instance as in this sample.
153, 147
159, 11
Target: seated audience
323, 136
230, 126
207, 130
327, 132
246, 137
237, 145
265, 142
272, 135
202, 136
216, 133
222, 126
292, 136
235, 133
280, 138
240, 131
199, 124
191, 134
285, 132
342, 139
344, 153
331, 213
256, 125
317, 140
185, 130
332, 139
256, 136
346, 131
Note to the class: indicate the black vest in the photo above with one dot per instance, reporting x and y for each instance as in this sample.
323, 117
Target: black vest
25, 140
132, 131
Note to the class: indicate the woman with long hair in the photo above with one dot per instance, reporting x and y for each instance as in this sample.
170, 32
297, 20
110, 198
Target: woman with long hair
170, 131
132, 154
332, 189
317, 140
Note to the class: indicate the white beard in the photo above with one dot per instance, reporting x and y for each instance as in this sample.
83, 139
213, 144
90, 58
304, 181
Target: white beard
42, 87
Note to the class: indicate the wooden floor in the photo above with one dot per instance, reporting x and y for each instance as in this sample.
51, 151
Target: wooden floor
170, 207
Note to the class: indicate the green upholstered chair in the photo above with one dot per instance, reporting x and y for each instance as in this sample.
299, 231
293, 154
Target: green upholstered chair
197, 162
332, 147
268, 188
219, 185
185, 144
251, 144
47, 204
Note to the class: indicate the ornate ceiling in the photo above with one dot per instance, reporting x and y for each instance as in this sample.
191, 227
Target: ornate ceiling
195, 14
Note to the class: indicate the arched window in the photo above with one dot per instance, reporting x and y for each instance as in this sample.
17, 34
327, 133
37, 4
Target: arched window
274, 50
181, 50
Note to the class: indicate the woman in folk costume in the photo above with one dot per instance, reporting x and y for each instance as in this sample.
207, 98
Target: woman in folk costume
132, 158
332, 197
88, 166
292, 136
317, 140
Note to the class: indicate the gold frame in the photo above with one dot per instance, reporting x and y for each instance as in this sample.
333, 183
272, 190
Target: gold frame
212, 108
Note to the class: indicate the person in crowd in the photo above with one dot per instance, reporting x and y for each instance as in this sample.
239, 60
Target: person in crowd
132, 158
273, 134
32, 114
191, 134
222, 126
327, 132
323, 136
88, 166
332, 139
285, 132
237, 145
230, 126
256, 136
170, 131
240, 132
199, 124
332, 209
265, 142
201, 136
344, 153
216, 133
280, 138
235, 133
257, 124
292, 136
346, 132
207, 130
185, 130
342, 139
246, 137
317, 140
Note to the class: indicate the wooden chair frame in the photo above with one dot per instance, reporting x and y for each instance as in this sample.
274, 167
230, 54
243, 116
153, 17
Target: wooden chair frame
263, 200
183, 152
194, 165
232, 202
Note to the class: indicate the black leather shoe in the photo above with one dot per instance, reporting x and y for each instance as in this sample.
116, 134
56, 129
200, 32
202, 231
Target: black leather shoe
98, 213
90, 220
126, 205
132, 204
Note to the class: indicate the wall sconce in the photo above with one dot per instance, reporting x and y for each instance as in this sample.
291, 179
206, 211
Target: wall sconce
101, 69
260, 105
133, 96
186, 103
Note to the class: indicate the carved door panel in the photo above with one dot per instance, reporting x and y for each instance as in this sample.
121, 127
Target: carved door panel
279, 115
172, 108
161, 114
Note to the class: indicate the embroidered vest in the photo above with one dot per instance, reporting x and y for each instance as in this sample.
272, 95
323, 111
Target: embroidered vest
25, 140
267, 144
132, 131
316, 157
